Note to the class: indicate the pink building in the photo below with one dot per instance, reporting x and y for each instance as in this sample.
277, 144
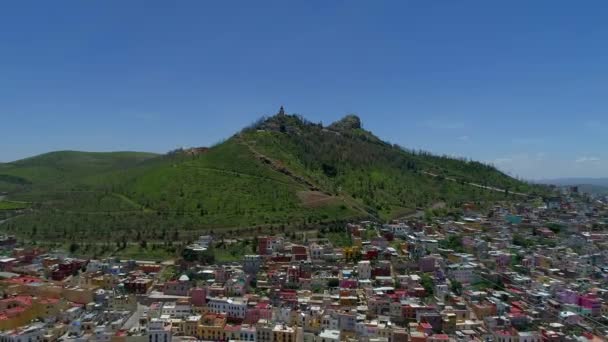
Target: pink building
591, 302
348, 284
198, 296
259, 311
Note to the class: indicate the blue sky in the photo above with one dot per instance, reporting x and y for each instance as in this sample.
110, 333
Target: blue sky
521, 84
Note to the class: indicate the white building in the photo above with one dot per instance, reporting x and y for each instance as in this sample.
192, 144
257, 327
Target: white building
329, 322
329, 336
177, 310
232, 307
27, 334
316, 251
463, 273
364, 269
248, 333
205, 240
102, 334
399, 230
159, 330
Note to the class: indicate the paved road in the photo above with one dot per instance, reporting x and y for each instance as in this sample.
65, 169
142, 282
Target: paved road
133, 321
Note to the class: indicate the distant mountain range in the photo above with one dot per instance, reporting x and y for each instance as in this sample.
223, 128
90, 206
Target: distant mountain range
576, 181
588, 185
281, 171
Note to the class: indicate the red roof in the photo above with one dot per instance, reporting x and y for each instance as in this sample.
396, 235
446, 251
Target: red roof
49, 301
24, 280
262, 306
24, 300
232, 328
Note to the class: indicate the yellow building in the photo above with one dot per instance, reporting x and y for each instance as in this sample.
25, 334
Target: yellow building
190, 325
449, 322
16, 311
351, 253
104, 281
76, 294
20, 310
211, 327
54, 333
123, 303
284, 333
348, 300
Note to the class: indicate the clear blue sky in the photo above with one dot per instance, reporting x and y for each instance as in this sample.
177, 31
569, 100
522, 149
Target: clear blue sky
522, 84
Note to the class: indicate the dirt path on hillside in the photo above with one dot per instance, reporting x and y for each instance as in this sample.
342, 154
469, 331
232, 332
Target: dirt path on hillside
492, 188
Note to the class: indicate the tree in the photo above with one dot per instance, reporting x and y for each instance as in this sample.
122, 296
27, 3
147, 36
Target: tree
74, 247
456, 287
254, 245
333, 283
454, 242
519, 240
427, 282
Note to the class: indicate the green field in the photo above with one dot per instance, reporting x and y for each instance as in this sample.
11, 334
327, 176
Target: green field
13, 205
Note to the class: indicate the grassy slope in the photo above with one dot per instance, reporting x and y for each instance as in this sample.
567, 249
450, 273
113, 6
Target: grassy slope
224, 188
11, 205
253, 179
63, 170
384, 179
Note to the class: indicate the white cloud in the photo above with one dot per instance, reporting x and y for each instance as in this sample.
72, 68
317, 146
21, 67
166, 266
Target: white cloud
587, 160
538, 165
525, 165
463, 138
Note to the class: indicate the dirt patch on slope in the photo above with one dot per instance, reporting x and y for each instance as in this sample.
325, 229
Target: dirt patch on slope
313, 199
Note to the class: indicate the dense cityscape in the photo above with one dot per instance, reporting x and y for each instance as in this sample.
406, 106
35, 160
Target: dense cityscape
303, 171
530, 271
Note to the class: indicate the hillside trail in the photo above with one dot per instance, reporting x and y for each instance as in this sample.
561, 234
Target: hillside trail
238, 173
492, 188
280, 167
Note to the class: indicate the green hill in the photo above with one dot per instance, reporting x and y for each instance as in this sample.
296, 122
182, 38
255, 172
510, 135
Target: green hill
282, 171
64, 170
